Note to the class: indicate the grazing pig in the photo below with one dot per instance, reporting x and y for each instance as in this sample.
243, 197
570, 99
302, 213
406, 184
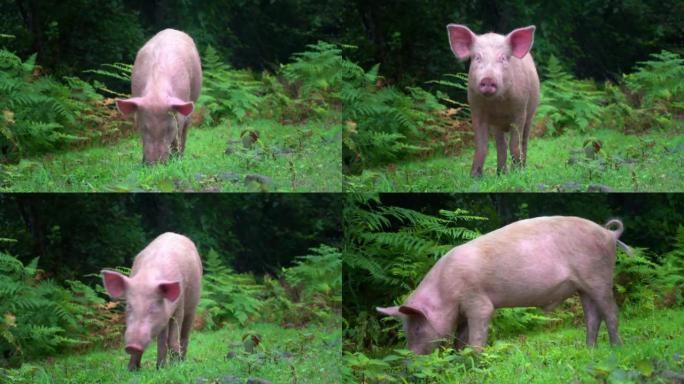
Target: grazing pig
166, 80
161, 297
503, 90
531, 263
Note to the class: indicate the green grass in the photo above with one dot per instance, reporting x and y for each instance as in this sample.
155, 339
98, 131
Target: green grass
305, 158
316, 353
653, 162
653, 352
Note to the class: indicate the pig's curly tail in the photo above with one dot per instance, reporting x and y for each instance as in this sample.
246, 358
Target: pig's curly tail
617, 232
619, 229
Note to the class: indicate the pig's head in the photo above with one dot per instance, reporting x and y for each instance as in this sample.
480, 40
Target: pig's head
149, 306
490, 56
421, 334
159, 120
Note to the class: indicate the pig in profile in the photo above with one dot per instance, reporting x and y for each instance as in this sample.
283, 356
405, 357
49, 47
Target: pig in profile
166, 80
531, 263
161, 297
503, 90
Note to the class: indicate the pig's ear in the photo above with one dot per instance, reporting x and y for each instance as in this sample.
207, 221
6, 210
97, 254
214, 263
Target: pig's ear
183, 107
114, 283
461, 39
170, 291
128, 106
521, 41
389, 311
412, 311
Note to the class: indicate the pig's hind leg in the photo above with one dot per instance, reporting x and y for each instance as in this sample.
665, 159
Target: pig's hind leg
602, 297
592, 318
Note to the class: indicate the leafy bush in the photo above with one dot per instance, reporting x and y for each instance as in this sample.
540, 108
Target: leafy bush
40, 317
659, 83
309, 291
567, 103
651, 97
228, 93
38, 113
318, 277
226, 295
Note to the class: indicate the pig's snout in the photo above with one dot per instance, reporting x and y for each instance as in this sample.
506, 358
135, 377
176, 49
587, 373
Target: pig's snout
155, 154
488, 86
134, 349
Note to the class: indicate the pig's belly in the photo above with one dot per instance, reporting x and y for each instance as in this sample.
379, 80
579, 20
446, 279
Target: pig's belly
531, 294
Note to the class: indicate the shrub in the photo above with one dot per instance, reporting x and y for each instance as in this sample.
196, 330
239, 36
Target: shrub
226, 295
567, 103
40, 317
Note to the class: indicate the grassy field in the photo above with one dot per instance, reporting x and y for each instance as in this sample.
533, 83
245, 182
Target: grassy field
653, 352
308, 355
652, 162
304, 158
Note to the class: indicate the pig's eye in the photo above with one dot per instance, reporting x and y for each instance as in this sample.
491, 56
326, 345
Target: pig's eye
478, 58
502, 58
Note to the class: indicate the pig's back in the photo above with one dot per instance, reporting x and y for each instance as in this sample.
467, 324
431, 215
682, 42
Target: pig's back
172, 56
171, 257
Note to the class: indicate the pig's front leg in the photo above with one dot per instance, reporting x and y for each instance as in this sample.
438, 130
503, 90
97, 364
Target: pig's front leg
162, 346
134, 362
479, 314
461, 335
516, 139
174, 335
500, 151
480, 128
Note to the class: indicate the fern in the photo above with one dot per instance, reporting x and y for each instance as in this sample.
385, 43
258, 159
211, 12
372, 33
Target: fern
39, 112
41, 317
228, 296
567, 103
652, 97
228, 93
659, 82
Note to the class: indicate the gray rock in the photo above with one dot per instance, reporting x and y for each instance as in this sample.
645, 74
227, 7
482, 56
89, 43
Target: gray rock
253, 380
233, 177
599, 188
261, 179
570, 186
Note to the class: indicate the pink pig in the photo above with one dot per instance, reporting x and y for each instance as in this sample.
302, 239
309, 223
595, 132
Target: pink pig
503, 90
161, 296
531, 263
166, 80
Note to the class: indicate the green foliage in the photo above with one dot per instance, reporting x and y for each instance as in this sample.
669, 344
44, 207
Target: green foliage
40, 317
228, 93
38, 112
659, 83
645, 285
318, 277
651, 97
227, 296
550, 356
567, 103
